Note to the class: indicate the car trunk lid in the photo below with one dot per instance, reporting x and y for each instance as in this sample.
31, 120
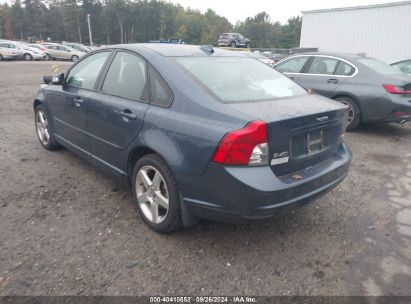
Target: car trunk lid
301, 131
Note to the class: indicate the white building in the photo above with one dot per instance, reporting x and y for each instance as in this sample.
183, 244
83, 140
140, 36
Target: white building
382, 31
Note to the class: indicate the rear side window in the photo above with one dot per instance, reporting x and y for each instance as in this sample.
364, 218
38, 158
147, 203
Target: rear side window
85, 73
323, 65
161, 93
127, 77
293, 65
344, 69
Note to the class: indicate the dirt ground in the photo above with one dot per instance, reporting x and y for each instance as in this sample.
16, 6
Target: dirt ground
68, 229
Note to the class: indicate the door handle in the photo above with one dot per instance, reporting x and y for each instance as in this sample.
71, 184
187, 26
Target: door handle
78, 101
127, 113
333, 80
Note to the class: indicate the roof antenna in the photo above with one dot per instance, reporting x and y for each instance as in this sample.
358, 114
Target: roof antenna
207, 49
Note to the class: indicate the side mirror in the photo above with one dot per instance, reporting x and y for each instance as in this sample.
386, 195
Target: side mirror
54, 79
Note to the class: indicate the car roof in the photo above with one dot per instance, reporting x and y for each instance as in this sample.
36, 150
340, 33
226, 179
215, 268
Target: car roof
346, 56
177, 50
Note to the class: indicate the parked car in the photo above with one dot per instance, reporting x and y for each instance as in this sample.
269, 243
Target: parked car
233, 40
6, 53
373, 90
17, 49
403, 65
31, 53
78, 46
199, 132
58, 51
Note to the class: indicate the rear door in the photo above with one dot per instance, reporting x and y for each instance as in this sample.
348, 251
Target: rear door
116, 111
325, 74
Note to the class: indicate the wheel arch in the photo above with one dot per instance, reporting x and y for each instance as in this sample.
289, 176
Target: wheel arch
134, 155
351, 96
36, 103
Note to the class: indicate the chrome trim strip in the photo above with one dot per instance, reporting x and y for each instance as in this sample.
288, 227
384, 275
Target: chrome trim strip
328, 56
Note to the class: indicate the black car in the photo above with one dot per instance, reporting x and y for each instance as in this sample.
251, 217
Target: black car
233, 40
198, 132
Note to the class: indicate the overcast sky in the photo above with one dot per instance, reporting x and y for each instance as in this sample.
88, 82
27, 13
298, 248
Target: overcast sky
278, 10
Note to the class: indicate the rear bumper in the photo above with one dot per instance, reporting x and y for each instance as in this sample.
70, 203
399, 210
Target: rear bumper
234, 194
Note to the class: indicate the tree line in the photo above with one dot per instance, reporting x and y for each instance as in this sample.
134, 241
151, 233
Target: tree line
126, 21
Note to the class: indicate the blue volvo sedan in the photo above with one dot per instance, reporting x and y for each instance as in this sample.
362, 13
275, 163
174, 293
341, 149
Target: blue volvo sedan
198, 132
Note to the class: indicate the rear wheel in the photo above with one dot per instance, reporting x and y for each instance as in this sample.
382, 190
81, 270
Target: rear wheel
28, 57
74, 58
156, 193
354, 112
43, 131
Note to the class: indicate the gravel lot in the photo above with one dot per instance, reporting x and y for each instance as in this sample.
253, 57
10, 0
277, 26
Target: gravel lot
67, 229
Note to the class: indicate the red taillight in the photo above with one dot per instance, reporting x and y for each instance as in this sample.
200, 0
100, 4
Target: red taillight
392, 89
245, 146
399, 114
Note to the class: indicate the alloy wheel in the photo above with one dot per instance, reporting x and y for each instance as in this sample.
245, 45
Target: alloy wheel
351, 111
152, 194
28, 57
42, 128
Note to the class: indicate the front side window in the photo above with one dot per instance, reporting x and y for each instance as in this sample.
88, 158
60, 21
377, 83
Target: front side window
239, 79
293, 65
127, 77
323, 65
85, 73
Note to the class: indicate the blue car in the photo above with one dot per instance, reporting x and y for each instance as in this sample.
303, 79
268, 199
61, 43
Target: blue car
198, 132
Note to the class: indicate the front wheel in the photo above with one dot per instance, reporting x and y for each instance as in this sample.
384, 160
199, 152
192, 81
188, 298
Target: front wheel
1, 57
354, 113
28, 57
43, 131
248, 45
74, 58
47, 57
233, 44
156, 194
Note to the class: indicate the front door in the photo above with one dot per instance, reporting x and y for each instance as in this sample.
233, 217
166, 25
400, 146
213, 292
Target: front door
68, 102
116, 112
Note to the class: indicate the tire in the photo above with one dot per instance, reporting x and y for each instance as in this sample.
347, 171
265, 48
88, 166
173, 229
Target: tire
48, 57
74, 58
28, 57
43, 131
233, 44
354, 114
151, 201
248, 45
1, 57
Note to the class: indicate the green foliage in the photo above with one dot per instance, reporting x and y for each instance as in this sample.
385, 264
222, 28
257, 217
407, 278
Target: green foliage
124, 21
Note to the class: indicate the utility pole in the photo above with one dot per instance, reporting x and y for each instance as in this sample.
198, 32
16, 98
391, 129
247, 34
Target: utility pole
89, 30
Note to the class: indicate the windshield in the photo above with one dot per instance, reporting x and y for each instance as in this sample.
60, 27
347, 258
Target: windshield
380, 66
238, 79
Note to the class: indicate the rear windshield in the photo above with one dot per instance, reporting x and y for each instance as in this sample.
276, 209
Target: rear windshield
380, 66
223, 36
238, 79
